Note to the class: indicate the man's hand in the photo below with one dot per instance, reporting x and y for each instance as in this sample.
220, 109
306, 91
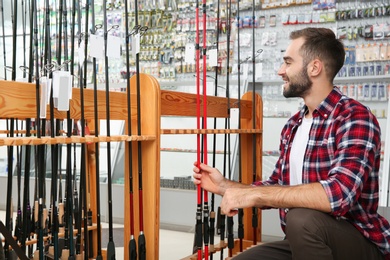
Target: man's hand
209, 179
235, 198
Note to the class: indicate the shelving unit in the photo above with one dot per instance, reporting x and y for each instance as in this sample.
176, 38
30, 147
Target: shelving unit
17, 100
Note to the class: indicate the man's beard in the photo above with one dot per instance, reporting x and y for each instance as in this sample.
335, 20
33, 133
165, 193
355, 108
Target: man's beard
299, 86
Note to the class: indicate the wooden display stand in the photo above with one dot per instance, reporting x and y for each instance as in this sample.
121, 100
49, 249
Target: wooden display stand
17, 100
184, 104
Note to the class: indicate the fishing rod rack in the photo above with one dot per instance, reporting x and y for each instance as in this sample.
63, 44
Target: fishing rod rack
18, 101
184, 104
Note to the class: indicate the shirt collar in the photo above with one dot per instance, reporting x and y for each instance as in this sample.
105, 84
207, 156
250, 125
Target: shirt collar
326, 106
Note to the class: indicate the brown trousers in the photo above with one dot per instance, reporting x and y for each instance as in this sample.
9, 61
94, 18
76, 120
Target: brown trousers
315, 235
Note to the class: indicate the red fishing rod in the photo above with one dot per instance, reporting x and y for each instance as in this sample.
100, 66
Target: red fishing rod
132, 247
205, 155
199, 226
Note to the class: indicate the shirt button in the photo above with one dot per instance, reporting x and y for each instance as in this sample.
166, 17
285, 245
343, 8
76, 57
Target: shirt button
286, 210
326, 115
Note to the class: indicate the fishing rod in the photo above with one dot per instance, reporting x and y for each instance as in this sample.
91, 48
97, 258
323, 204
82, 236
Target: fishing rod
199, 224
3, 37
230, 222
26, 192
206, 212
212, 212
141, 237
97, 152
9, 205
24, 11
14, 37
254, 209
40, 148
240, 231
227, 154
10, 150
56, 153
69, 131
111, 244
19, 157
79, 213
68, 250
132, 247
83, 172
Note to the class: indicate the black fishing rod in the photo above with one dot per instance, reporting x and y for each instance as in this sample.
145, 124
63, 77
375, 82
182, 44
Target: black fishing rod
54, 148
14, 37
111, 244
26, 191
9, 207
40, 148
10, 150
230, 222
141, 237
240, 232
19, 157
212, 212
27, 211
97, 152
227, 158
69, 131
83, 172
24, 13
79, 213
132, 247
3, 37
254, 209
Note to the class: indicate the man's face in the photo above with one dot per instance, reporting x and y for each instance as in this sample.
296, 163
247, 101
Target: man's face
294, 72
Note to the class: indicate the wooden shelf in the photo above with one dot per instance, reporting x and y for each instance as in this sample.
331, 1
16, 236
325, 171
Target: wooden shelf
210, 131
9, 141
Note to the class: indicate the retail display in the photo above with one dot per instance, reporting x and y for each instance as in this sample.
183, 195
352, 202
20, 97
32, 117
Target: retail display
114, 45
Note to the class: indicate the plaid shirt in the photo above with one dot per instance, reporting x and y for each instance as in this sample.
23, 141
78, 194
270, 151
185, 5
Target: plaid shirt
343, 154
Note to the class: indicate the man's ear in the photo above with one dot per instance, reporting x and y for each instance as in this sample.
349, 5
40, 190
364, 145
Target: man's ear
315, 68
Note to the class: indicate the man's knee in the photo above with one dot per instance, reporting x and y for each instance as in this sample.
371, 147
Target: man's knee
300, 220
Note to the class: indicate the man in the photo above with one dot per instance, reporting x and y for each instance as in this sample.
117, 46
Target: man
325, 182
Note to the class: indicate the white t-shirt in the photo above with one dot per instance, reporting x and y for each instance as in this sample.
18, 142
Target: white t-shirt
298, 149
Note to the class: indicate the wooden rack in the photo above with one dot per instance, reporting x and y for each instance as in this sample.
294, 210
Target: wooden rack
17, 100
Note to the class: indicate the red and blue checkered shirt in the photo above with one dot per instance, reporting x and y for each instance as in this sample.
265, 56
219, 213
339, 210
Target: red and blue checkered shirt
343, 154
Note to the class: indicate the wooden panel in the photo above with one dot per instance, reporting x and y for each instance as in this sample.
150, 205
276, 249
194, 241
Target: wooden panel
175, 103
249, 156
150, 125
18, 100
